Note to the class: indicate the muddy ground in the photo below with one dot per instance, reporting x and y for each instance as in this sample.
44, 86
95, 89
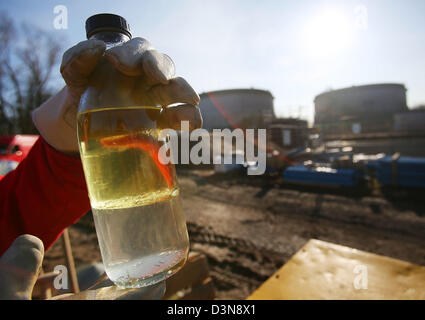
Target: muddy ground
248, 227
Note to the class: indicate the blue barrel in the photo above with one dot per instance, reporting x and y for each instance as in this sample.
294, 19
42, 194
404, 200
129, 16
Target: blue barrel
404, 171
322, 176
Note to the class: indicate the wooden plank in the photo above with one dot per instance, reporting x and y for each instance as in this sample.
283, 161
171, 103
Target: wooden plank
194, 272
47, 278
322, 270
115, 293
72, 273
191, 282
43, 288
203, 291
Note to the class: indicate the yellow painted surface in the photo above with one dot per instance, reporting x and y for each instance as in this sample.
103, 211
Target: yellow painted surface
322, 270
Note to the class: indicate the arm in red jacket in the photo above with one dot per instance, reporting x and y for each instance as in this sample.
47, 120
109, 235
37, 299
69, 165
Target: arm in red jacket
45, 194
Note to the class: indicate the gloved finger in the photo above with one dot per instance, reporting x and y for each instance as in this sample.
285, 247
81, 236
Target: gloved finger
158, 67
79, 62
172, 117
137, 56
127, 57
178, 90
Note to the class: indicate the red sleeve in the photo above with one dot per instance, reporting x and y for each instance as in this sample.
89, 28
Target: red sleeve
45, 194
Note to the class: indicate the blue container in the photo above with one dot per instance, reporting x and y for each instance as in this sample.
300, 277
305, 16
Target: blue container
322, 176
405, 171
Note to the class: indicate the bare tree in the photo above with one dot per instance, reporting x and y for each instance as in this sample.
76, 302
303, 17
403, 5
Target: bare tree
6, 33
28, 57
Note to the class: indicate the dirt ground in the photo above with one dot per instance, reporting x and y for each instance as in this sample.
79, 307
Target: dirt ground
248, 227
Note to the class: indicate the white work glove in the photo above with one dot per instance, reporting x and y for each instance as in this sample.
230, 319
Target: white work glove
56, 119
19, 268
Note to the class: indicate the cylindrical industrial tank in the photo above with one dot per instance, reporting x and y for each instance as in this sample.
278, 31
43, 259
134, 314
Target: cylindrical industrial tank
368, 108
236, 108
412, 121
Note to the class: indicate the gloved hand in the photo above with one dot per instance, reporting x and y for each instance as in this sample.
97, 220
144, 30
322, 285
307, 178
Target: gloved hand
56, 119
19, 268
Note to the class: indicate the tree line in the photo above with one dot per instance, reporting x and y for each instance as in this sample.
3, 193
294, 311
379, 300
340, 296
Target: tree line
29, 59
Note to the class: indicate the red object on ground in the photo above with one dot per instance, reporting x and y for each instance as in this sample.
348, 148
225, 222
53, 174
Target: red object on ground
13, 149
44, 195
16, 147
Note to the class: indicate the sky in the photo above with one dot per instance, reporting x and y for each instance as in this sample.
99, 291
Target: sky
294, 49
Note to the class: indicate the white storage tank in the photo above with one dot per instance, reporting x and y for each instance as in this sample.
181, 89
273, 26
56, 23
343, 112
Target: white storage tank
360, 109
412, 121
236, 108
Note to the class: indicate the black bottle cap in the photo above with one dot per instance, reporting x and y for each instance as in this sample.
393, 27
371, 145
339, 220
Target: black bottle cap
106, 22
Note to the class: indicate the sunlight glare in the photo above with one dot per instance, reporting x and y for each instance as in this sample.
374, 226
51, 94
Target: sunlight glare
327, 34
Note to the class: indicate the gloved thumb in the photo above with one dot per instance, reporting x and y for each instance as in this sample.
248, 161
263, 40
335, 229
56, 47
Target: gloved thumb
79, 62
19, 268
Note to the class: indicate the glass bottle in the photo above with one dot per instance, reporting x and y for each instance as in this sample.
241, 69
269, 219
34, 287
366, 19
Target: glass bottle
135, 202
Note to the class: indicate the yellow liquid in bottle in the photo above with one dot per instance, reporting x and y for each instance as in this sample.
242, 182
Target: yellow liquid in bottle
139, 222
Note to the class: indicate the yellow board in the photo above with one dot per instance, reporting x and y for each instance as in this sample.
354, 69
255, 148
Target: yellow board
322, 270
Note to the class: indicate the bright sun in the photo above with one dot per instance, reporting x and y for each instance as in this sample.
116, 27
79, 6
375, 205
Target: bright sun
327, 34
